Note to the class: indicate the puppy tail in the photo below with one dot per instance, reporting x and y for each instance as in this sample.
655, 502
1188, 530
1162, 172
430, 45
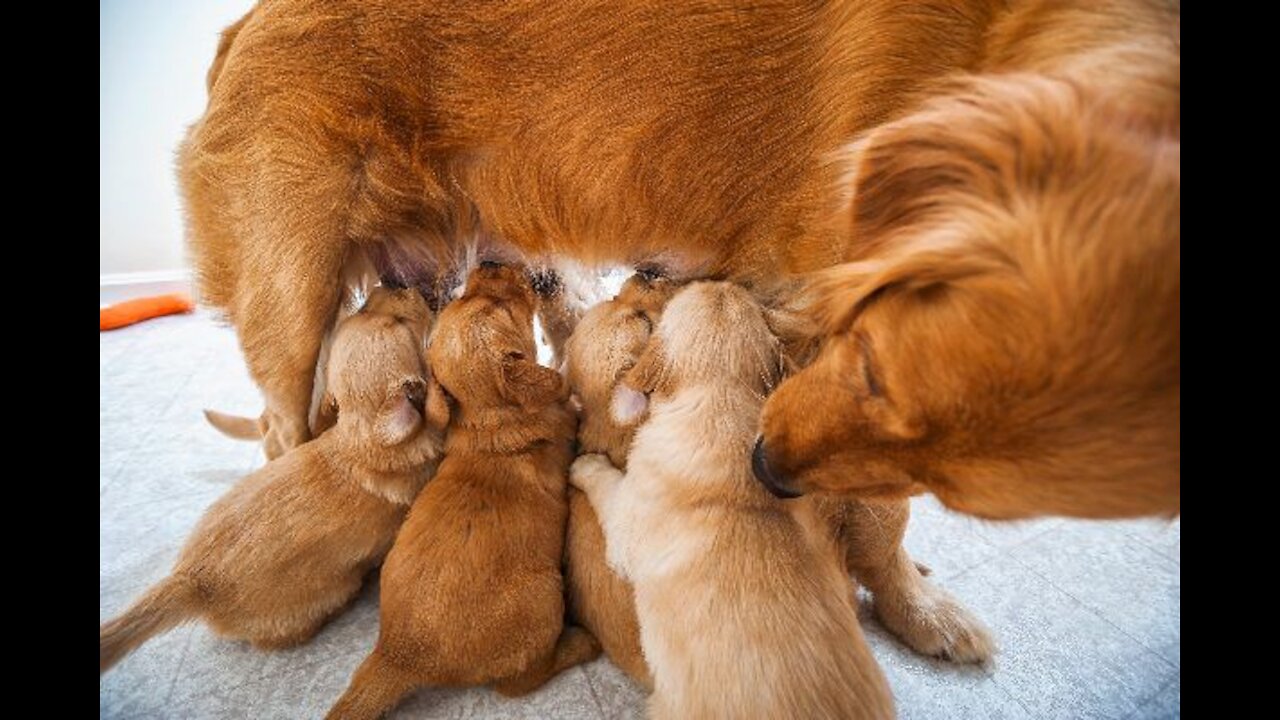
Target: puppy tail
375, 688
234, 426
159, 609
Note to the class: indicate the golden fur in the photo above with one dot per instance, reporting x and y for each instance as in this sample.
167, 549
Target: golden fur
709, 141
472, 591
286, 548
744, 609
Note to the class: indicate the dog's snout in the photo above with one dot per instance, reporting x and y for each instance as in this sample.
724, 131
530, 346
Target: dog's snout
765, 474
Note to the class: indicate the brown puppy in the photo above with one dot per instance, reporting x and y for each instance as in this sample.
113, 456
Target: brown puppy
634, 122
744, 609
1009, 340
605, 344
287, 547
472, 590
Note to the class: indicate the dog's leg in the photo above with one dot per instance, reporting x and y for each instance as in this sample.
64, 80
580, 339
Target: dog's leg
574, 647
601, 481
921, 614
287, 296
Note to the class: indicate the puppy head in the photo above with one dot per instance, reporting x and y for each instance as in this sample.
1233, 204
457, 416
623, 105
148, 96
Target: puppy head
482, 352
604, 345
711, 333
1010, 340
406, 305
377, 376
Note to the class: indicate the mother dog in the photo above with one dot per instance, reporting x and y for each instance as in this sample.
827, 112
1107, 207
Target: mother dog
979, 166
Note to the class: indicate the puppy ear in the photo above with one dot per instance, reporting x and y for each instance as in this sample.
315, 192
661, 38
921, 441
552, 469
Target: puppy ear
528, 383
631, 397
399, 417
628, 405
438, 408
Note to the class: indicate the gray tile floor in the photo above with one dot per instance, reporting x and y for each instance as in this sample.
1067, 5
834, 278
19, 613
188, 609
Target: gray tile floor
1086, 613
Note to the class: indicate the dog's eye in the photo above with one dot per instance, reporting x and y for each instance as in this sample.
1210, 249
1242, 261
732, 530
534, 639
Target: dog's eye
868, 371
515, 355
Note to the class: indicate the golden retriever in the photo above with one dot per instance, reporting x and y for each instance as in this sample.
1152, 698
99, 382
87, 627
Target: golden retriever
744, 609
286, 548
472, 592
1035, 139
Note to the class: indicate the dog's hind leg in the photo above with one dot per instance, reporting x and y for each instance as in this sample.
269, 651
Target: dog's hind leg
287, 299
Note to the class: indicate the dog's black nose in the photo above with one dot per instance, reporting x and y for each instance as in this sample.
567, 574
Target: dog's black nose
760, 466
490, 264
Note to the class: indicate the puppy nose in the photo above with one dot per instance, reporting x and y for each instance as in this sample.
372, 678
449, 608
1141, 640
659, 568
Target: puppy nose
771, 482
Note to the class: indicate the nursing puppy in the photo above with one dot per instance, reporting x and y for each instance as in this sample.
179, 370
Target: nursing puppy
744, 610
472, 591
288, 546
407, 305
604, 345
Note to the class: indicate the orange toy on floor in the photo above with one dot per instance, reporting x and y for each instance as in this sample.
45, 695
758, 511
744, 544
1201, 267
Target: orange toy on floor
137, 310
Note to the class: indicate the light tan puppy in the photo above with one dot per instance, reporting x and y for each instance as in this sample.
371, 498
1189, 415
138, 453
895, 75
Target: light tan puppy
288, 546
744, 610
605, 344
472, 592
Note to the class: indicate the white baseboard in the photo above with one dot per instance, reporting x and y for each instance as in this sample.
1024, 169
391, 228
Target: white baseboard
114, 287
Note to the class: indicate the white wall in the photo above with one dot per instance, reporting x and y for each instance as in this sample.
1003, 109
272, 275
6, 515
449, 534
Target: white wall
153, 55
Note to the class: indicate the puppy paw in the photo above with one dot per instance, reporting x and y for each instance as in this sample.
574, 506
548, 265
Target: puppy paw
933, 623
590, 469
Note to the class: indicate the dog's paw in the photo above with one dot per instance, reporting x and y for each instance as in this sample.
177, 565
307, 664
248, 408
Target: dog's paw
590, 469
933, 623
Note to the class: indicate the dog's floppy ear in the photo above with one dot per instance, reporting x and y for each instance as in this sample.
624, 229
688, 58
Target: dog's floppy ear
895, 180
841, 293
630, 399
400, 414
528, 383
